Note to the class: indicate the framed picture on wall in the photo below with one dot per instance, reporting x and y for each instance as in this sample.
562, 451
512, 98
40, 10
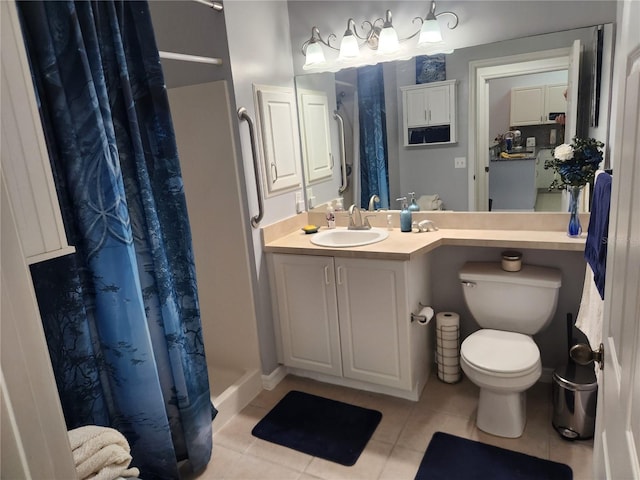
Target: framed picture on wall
431, 68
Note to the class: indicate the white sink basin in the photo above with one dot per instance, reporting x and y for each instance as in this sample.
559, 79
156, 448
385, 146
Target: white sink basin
348, 238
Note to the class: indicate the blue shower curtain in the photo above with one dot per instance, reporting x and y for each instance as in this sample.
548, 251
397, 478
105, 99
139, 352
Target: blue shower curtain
121, 316
374, 170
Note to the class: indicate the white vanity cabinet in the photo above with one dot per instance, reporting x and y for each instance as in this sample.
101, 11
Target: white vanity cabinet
429, 113
537, 105
350, 318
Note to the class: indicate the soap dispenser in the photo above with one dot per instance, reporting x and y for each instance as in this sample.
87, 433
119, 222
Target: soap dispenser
413, 206
405, 215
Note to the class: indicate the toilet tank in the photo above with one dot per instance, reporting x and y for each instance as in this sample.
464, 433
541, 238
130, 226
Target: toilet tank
522, 302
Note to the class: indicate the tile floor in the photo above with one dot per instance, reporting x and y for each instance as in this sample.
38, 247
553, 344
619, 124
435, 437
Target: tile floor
399, 442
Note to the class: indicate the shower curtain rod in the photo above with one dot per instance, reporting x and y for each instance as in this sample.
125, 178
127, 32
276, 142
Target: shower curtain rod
217, 6
190, 58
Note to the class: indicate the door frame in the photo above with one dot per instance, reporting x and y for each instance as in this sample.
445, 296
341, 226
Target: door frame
480, 72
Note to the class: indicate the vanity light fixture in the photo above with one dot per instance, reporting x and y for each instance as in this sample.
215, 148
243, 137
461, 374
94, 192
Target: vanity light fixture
312, 49
381, 41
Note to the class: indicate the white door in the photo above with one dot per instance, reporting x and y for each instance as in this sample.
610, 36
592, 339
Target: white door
617, 441
571, 125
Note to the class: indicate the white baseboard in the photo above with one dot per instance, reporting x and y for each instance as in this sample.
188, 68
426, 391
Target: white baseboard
236, 397
269, 382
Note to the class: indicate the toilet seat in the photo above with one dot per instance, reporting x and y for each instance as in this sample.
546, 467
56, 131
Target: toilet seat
500, 353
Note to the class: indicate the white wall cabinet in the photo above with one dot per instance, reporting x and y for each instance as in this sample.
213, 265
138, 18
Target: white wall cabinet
429, 113
316, 136
537, 105
351, 319
25, 160
280, 139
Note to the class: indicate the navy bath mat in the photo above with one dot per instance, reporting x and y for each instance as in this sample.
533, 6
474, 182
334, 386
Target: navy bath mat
321, 427
453, 458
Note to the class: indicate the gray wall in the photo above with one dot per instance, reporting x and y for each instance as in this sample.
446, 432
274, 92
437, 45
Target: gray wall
431, 169
260, 51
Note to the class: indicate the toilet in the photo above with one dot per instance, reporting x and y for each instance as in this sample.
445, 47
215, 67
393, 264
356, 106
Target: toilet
501, 358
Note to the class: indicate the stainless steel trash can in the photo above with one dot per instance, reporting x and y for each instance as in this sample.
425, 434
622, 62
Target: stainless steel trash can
575, 392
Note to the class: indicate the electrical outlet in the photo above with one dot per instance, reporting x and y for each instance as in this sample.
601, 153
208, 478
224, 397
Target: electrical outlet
460, 162
531, 141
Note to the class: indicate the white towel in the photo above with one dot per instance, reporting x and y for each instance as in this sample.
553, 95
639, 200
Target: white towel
101, 453
430, 202
590, 315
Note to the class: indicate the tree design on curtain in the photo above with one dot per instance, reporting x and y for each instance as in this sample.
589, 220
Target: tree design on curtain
121, 316
374, 170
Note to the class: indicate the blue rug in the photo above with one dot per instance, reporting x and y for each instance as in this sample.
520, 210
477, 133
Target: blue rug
318, 426
451, 458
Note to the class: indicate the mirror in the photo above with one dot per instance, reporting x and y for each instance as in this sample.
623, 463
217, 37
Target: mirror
448, 170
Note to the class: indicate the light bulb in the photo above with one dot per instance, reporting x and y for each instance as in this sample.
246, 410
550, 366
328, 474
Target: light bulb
388, 41
349, 47
315, 55
430, 32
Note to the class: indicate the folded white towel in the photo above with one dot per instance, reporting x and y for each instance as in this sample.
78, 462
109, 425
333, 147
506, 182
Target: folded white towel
101, 453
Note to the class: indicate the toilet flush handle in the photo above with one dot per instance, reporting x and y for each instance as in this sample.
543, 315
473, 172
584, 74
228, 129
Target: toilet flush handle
466, 283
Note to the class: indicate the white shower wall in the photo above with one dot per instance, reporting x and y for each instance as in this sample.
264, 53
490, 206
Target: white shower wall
202, 119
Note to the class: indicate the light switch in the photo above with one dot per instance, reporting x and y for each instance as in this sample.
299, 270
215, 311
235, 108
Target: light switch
460, 162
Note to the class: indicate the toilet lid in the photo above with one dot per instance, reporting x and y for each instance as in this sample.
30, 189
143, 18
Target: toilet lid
500, 352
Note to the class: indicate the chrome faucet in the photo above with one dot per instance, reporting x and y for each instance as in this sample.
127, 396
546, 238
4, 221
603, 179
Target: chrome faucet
359, 225
372, 202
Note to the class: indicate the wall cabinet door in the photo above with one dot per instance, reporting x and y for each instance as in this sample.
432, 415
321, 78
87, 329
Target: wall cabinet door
316, 136
374, 321
308, 311
280, 138
537, 105
429, 113
555, 102
527, 104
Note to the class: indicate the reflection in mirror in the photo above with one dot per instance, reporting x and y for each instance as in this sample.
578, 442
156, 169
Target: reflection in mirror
446, 172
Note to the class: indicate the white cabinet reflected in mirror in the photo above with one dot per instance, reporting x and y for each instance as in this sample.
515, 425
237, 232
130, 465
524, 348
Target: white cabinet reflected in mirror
454, 171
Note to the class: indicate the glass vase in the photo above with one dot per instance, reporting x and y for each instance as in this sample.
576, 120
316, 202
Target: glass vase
574, 229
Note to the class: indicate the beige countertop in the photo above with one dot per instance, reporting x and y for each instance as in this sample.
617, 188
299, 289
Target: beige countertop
404, 246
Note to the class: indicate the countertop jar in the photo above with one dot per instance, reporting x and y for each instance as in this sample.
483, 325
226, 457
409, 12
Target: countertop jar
511, 260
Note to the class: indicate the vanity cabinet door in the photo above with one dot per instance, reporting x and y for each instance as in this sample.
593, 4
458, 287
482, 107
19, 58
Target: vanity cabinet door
374, 321
307, 307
